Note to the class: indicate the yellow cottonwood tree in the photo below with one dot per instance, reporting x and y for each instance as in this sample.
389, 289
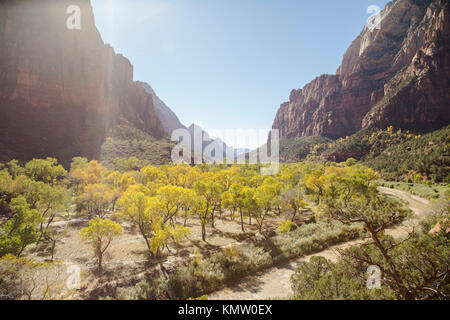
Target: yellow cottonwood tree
173, 199
143, 211
100, 233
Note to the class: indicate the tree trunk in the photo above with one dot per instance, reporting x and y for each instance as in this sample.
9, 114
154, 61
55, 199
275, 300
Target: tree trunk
293, 216
260, 225
53, 249
242, 221
41, 232
185, 217
145, 237
203, 231
20, 252
100, 259
41, 226
395, 274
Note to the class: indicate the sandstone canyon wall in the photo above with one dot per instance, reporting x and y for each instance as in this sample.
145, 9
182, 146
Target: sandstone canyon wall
396, 75
62, 90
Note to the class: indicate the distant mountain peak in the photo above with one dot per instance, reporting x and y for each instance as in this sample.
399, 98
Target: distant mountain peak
197, 131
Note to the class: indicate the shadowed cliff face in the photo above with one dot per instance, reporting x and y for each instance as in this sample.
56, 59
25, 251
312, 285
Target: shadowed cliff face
396, 75
169, 119
61, 90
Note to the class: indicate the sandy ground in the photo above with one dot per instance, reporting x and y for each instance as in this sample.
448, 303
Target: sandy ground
127, 256
275, 282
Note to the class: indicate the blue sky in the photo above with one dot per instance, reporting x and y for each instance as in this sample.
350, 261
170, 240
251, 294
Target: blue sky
229, 64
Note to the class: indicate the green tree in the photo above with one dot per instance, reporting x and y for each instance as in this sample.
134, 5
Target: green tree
29, 189
79, 163
422, 261
124, 165
45, 170
321, 279
15, 169
353, 197
51, 201
21, 230
6, 191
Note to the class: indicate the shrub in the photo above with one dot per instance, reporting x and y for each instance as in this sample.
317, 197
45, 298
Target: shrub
286, 226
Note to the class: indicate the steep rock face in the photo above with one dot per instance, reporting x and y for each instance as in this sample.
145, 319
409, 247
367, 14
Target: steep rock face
419, 95
169, 119
61, 90
398, 74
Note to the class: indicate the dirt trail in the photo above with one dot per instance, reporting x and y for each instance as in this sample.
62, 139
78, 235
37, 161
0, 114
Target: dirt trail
275, 282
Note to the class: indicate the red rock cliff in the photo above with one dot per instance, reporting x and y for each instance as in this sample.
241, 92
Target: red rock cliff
396, 75
61, 90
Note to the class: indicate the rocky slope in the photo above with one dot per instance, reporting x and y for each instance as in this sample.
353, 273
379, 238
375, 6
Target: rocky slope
169, 119
171, 122
396, 75
61, 90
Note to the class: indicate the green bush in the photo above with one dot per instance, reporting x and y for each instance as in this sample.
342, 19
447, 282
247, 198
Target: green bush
426, 156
